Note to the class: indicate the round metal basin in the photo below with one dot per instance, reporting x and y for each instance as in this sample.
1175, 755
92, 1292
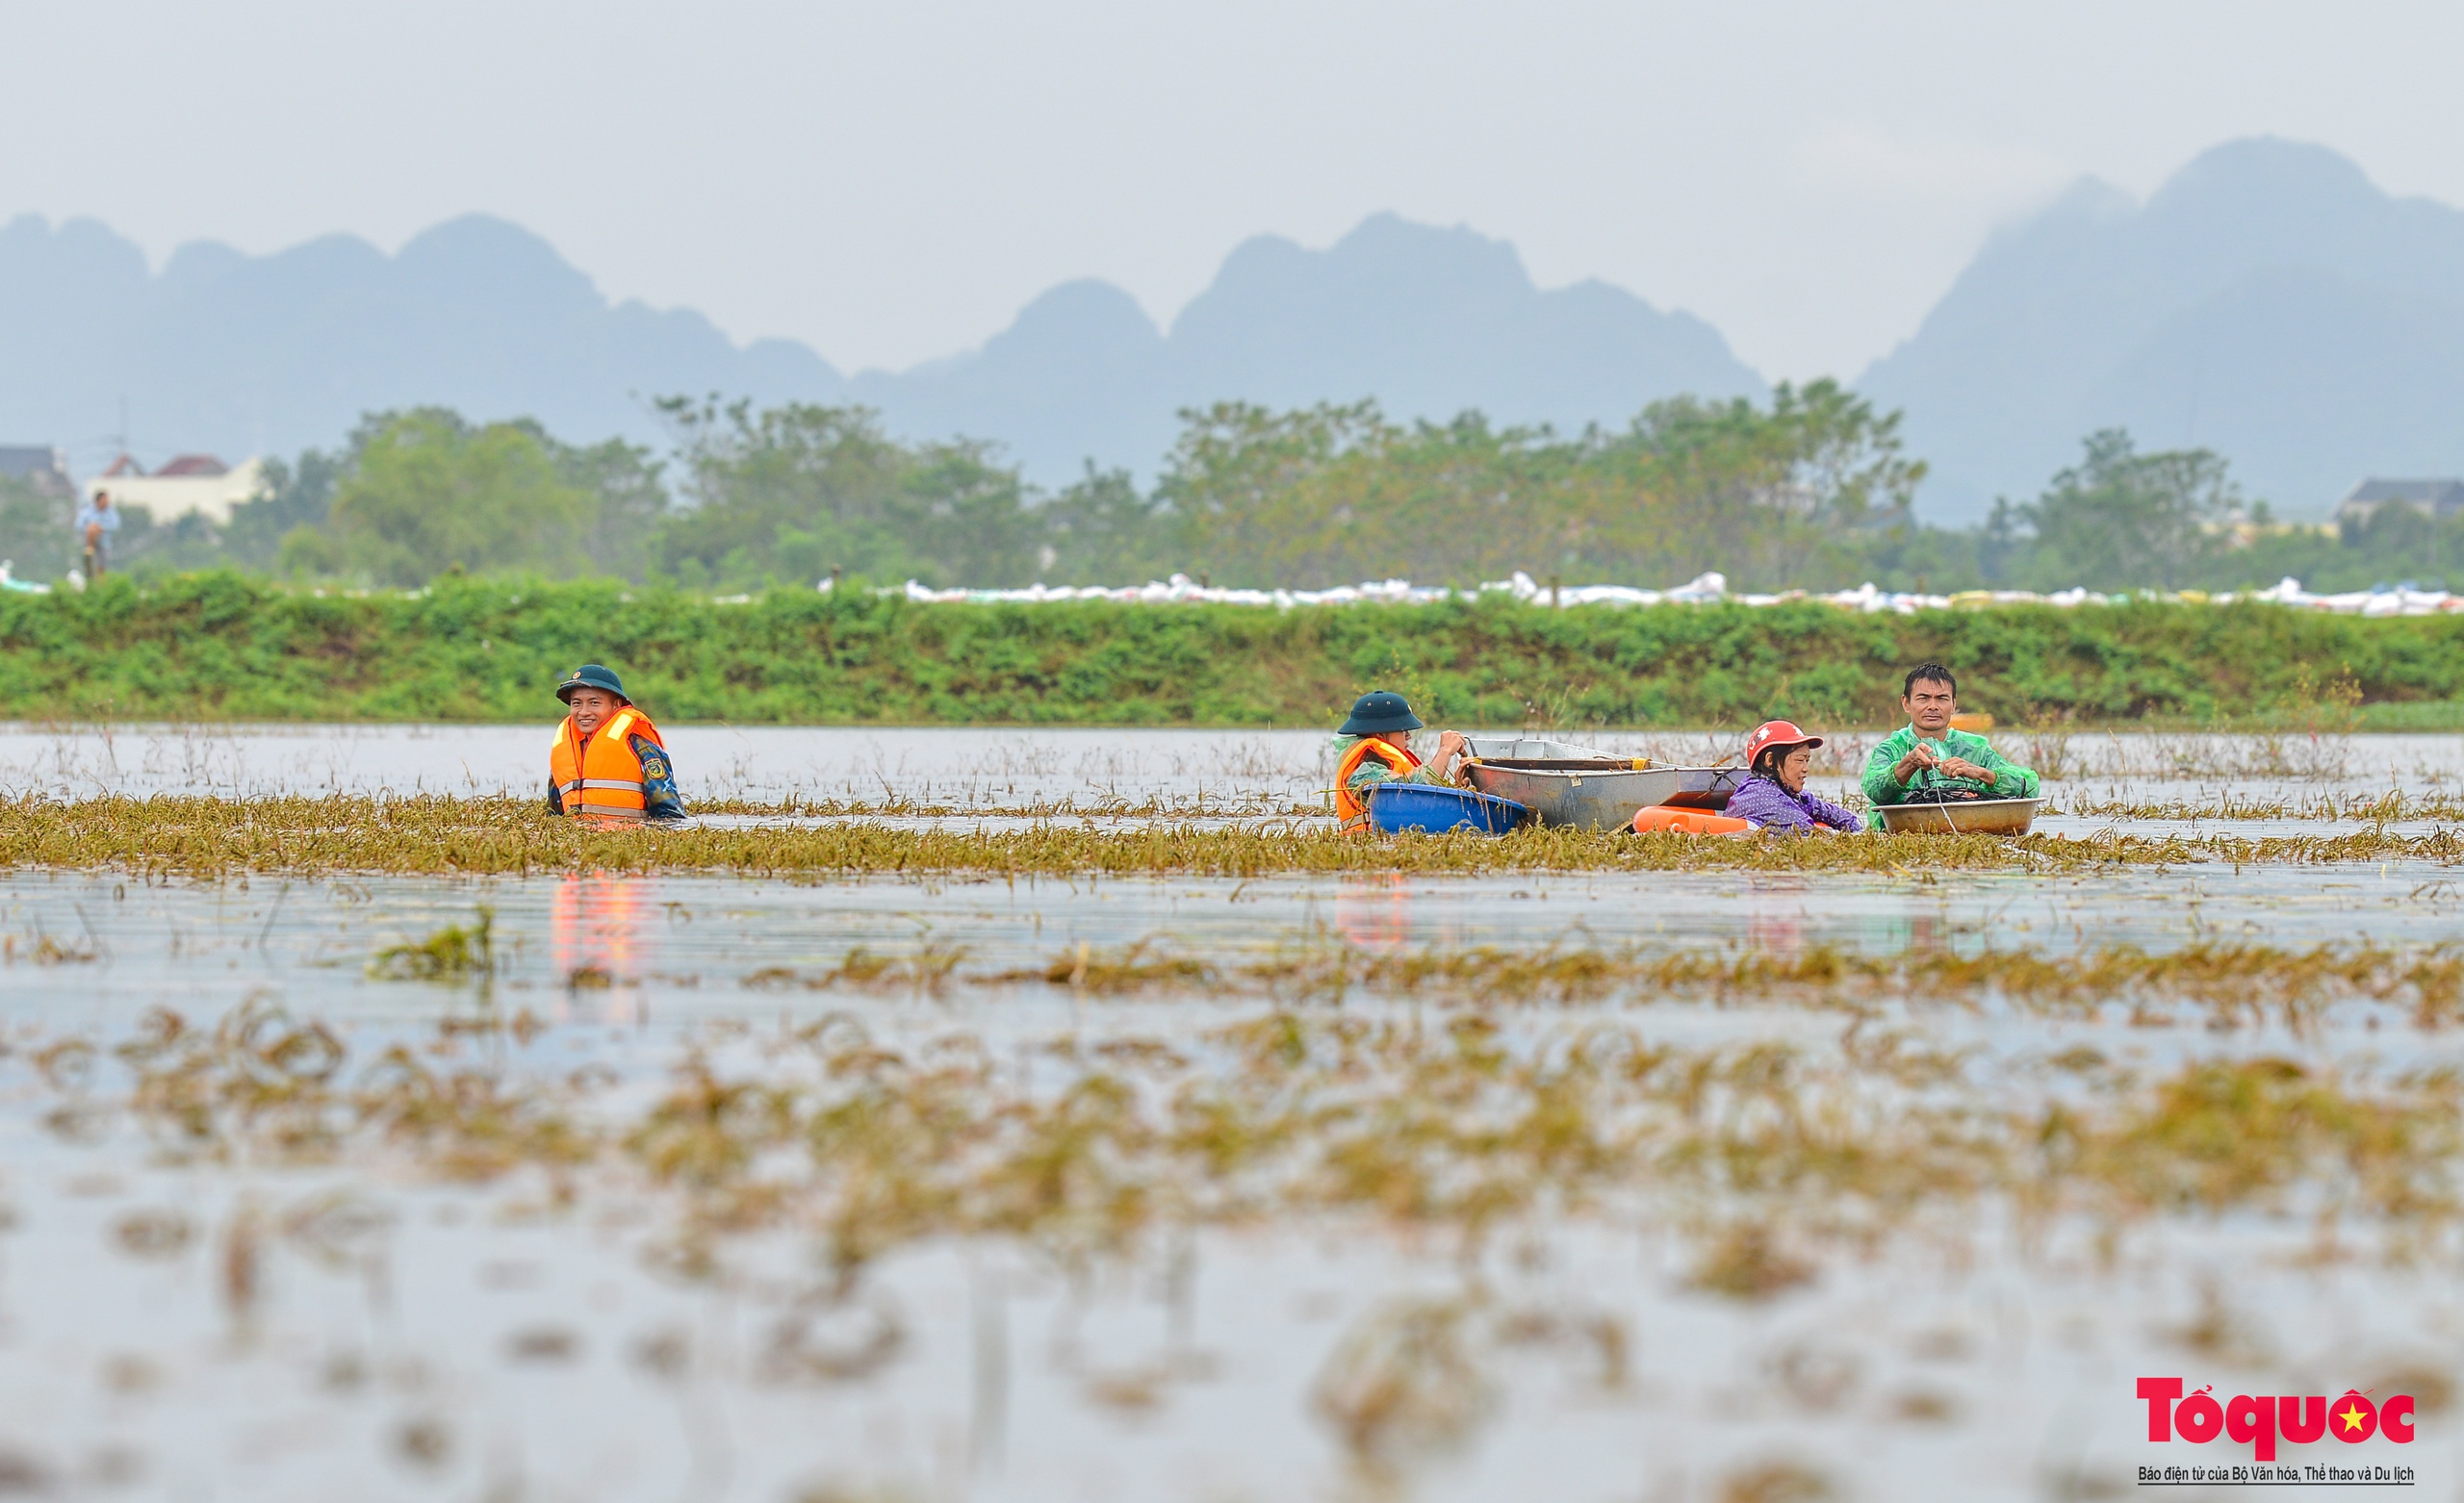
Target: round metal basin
1976, 817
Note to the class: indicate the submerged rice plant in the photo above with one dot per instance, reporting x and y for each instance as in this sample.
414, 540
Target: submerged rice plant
453, 954
2228, 983
1769, 1153
2367, 808
492, 836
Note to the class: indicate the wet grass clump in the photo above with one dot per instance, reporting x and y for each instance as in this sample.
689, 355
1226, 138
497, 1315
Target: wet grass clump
1746, 1263
261, 1083
1768, 1165
1771, 1151
453, 954
2232, 983
440, 835
2361, 808
925, 970
1112, 973
2223, 1133
1404, 1381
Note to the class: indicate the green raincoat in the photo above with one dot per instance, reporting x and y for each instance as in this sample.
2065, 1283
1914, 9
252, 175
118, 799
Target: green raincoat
2009, 779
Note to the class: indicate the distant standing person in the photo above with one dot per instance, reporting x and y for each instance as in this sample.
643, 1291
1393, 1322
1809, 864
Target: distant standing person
1925, 761
609, 764
96, 520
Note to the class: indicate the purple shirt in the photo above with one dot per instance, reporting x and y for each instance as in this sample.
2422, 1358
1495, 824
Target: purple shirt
1765, 805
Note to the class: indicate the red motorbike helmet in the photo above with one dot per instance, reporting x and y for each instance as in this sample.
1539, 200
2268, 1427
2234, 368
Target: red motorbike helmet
1776, 733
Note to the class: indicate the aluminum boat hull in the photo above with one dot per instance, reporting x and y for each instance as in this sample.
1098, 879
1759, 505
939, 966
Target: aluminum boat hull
1602, 794
1507, 749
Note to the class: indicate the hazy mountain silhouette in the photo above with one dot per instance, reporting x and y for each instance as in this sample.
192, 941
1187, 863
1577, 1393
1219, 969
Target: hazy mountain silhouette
1077, 375
2268, 302
269, 354
1428, 321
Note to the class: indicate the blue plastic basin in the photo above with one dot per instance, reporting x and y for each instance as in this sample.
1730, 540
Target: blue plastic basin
1396, 808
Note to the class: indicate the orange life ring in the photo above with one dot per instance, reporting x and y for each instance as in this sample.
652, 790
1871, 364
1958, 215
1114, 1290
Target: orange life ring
1687, 822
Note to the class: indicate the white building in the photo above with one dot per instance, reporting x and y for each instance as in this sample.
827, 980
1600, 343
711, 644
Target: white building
191, 484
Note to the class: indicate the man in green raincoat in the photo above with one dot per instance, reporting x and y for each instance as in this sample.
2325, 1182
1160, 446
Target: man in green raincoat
1926, 761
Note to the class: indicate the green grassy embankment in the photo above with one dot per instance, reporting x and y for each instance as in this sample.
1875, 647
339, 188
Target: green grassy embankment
221, 646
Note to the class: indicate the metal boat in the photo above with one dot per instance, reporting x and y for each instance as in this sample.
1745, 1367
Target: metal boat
1705, 787
1511, 748
1971, 817
1600, 792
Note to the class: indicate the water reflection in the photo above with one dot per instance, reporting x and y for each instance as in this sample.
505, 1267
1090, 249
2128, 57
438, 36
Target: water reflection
1375, 913
600, 927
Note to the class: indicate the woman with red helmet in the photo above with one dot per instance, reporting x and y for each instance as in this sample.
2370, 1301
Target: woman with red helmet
1778, 755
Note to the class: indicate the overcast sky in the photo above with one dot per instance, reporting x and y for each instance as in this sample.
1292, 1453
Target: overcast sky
890, 181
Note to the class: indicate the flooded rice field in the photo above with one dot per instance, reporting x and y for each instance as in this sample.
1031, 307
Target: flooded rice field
1556, 1181
1093, 771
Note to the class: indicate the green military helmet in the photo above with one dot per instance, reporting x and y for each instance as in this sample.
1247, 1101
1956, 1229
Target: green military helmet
1377, 712
592, 675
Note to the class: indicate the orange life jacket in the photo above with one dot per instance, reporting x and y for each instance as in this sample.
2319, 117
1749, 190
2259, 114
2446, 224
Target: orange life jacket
602, 778
1348, 806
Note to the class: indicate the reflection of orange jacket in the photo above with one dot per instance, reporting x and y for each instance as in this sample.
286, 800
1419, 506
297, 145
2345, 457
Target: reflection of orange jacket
600, 925
611, 775
1348, 806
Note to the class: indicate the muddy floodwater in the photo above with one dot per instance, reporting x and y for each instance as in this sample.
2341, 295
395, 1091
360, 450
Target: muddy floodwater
1606, 1184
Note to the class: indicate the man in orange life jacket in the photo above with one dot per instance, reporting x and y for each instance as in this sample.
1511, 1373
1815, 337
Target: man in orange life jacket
608, 762
1376, 745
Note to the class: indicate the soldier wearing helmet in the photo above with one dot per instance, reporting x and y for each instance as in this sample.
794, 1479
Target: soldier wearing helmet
608, 763
1375, 747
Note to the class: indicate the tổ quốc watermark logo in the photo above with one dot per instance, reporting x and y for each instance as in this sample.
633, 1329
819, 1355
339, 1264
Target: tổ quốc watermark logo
2263, 1422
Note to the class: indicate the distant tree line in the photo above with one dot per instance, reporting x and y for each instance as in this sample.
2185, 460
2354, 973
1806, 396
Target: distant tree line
1812, 490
